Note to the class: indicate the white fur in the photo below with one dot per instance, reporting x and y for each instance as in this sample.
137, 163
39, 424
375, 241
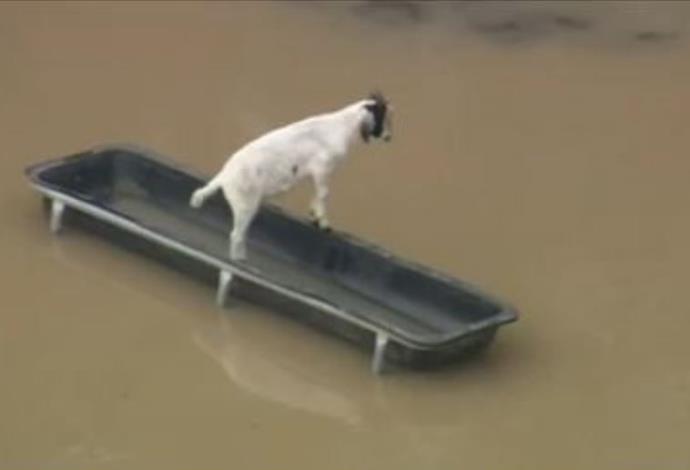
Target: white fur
276, 161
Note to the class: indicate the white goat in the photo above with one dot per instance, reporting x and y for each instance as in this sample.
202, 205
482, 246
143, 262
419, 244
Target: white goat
276, 161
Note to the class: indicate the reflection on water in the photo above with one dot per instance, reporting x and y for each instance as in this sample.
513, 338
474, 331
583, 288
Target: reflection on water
272, 376
540, 152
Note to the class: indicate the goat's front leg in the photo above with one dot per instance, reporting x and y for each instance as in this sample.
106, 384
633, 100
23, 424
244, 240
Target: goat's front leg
318, 204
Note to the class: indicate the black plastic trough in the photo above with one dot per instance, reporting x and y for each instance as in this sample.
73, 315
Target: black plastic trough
408, 313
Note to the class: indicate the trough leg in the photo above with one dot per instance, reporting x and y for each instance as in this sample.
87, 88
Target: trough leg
224, 280
57, 209
377, 363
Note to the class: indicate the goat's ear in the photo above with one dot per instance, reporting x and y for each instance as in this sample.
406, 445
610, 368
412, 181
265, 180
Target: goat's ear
377, 96
370, 107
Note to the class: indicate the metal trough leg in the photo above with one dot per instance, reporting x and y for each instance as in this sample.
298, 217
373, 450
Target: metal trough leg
224, 279
379, 353
57, 208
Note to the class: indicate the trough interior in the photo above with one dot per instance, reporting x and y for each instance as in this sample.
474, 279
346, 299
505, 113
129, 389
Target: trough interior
285, 250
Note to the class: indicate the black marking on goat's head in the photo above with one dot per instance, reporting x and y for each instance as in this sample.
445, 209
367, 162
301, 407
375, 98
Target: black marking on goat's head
379, 124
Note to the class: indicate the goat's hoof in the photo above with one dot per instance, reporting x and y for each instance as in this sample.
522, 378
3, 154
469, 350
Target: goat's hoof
323, 226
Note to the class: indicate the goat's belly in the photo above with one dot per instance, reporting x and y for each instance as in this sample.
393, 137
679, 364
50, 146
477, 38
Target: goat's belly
276, 182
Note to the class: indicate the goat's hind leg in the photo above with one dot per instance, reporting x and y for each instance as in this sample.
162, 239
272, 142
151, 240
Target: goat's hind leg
243, 213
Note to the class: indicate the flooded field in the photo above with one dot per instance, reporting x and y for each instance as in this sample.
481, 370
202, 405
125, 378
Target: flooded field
540, 151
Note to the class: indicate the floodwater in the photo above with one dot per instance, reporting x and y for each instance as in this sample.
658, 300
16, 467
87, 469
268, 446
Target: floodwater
540, 151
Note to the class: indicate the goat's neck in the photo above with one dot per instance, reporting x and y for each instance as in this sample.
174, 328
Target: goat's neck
349, 122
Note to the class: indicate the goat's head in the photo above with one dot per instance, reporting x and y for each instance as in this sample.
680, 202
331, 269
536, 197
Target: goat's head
377, 123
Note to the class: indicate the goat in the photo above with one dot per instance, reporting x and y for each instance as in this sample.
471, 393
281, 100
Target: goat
277, 160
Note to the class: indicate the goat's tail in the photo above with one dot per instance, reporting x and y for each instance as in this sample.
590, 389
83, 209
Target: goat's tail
201, 194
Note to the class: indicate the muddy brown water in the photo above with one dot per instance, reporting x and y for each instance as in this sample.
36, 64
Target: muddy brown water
540, 150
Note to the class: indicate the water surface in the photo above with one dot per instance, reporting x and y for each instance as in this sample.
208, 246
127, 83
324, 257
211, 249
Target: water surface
540, 151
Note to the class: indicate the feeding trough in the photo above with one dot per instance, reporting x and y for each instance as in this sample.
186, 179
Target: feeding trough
401, 310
